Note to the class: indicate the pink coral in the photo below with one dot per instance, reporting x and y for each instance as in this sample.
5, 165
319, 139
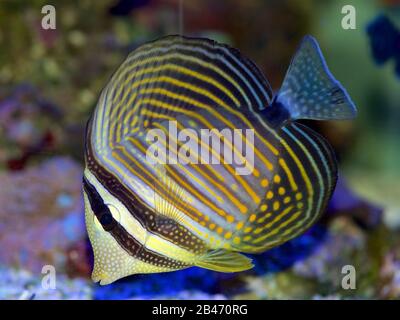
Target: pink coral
41, 213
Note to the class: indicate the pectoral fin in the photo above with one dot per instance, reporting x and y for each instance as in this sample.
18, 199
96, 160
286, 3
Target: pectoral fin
170, 194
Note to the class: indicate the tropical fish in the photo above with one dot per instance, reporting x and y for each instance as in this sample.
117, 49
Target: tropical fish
147, 217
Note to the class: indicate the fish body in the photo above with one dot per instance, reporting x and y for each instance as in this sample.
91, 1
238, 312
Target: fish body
145, 216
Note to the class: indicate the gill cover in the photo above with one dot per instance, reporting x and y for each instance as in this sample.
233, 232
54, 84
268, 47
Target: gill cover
111, 260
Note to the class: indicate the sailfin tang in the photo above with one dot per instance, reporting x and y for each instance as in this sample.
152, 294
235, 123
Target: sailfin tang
309, 90
224, 261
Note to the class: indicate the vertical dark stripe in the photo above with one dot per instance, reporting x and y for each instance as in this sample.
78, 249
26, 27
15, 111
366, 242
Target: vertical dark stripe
127, 241
167, 229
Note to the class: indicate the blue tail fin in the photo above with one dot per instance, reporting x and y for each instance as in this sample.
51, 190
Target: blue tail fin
309, 90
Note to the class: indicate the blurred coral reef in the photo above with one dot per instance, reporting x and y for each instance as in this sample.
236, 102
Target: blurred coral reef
41, 214
49, 83
24, 285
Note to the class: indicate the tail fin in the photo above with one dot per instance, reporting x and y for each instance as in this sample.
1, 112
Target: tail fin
309, 90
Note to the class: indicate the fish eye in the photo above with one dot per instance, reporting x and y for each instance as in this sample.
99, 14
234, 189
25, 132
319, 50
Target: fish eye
108, 217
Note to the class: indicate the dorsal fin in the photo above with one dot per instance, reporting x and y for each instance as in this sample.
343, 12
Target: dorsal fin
309, 90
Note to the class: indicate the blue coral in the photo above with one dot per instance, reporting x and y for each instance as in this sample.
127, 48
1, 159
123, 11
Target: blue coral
148, 286
385, 41
210, 282
284, 256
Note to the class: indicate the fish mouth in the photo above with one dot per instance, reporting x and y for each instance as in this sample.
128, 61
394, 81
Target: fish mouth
102, 279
